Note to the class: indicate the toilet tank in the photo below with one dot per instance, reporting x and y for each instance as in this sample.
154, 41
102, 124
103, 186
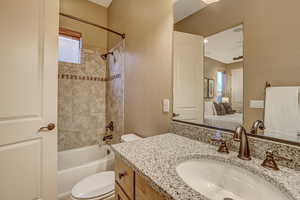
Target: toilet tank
130, 137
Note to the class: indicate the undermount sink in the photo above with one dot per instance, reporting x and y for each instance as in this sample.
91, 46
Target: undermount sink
218, 180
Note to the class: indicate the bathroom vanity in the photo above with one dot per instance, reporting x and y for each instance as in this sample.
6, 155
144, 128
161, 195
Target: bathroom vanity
130, 185
170, 166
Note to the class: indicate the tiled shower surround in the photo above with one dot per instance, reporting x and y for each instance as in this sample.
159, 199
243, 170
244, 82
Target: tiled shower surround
81, 101
258, 147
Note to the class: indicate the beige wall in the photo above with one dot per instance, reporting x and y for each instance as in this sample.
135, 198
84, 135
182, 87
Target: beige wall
148, 69
211, 67
271, 42
231, 66
93, 38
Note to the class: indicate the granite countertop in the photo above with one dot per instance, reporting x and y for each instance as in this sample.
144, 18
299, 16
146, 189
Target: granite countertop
156, 158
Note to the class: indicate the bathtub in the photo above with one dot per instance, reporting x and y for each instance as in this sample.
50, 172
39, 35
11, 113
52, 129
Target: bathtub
76, 164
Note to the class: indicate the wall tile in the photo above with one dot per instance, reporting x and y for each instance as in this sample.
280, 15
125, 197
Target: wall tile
81, 102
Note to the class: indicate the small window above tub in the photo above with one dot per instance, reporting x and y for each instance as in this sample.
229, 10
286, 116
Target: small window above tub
69, 46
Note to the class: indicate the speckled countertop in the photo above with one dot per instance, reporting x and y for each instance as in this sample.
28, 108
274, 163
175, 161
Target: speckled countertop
156, 158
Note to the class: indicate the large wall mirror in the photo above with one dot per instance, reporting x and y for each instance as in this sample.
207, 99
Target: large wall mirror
223, 56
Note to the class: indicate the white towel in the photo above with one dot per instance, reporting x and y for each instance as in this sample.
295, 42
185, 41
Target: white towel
282, 111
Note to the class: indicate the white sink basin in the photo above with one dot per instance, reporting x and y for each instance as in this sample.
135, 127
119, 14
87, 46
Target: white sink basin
217, 180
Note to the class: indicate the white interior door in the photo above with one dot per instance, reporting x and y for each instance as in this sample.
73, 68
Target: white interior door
188, 77
28, 89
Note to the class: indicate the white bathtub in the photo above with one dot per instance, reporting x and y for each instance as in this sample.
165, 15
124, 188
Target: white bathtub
76, 164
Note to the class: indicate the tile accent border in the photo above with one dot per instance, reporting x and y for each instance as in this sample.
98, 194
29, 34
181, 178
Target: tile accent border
258, 146
78, 77
88, 78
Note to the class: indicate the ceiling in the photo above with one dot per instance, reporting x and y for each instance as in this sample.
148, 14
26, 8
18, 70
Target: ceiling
226, 45
185, 8
104, 3
182, 8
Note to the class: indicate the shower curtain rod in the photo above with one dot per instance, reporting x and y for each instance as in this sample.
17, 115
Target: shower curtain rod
93, 24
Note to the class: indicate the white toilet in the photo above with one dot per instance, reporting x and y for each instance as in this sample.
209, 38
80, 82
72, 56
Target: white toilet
99, 186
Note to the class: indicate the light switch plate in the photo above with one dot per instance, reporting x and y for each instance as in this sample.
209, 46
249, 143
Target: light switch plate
166, 105
260, 104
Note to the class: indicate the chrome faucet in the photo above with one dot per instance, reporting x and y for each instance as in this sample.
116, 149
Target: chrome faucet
258, 124
240, 135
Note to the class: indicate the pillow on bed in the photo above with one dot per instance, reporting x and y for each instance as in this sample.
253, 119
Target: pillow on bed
228, 108
220, 109
223, 110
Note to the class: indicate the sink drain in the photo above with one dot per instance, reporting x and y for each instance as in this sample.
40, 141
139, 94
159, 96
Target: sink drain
228, 198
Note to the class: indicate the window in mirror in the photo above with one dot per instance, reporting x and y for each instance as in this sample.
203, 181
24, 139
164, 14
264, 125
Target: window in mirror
219, 86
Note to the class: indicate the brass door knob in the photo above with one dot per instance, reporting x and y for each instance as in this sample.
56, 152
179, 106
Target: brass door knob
49, 127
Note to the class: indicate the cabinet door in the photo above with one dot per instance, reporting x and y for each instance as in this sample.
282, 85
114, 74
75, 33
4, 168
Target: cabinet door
120, 195
143, 191
125, 177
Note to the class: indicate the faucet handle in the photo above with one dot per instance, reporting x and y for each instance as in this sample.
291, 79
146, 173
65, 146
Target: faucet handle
270, 162
223, 146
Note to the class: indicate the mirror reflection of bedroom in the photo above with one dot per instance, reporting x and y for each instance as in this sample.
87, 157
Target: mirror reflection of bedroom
208, 78
223, 79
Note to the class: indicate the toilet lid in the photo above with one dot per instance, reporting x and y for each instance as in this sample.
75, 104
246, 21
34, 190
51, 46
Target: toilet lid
101, 184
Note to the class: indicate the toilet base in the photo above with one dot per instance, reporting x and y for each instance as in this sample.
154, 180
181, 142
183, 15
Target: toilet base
105, 198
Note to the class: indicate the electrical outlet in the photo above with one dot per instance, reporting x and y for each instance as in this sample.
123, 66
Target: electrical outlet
257, 104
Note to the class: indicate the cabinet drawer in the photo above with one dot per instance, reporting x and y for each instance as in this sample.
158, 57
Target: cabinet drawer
119, 194
143, 191
125, 177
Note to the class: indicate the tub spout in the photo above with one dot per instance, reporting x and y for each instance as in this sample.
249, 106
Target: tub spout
107, 137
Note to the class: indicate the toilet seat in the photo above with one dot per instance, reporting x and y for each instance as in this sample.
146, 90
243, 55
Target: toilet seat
96, 187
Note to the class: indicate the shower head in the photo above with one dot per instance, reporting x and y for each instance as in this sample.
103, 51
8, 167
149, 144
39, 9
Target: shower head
104, 56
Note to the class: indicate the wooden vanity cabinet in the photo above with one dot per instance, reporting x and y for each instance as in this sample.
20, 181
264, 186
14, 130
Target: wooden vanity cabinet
143, 191
131, 186
124, 178
119, 194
